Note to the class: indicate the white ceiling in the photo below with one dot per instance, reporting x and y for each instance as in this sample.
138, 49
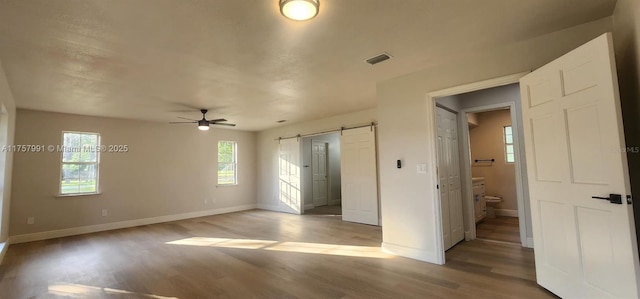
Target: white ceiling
153, 59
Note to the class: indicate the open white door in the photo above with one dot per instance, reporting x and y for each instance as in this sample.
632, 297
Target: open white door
320, 187
289, 198
584, 247
449, 178
359, 176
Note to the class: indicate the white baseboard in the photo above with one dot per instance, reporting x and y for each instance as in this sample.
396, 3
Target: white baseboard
3, 249
505, 212
467, 235
412, 253
309, 207
268, 207
529, 242
122, 224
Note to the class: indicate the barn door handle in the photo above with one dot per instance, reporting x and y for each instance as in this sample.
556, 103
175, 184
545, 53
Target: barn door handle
613, 198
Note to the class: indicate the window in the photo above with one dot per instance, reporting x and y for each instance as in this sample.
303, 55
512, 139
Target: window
227, 163
80, 161
508, 145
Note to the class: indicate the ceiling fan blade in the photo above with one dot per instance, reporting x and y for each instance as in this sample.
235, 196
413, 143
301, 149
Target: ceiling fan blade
224, 124
213, 121
183, 122
186, 118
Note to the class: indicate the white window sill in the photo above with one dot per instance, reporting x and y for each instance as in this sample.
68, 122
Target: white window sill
226, 185
77, 194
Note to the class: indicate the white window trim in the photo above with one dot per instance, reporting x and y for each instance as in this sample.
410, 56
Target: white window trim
235, 162
62, 163
506, 144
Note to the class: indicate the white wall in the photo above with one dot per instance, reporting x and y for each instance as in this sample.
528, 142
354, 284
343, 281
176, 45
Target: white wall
268, 150
169, 170
406, 131
626, 38
6, 99
333, 167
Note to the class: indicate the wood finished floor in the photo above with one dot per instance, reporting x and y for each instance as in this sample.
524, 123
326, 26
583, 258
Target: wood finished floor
258, 254
501, 228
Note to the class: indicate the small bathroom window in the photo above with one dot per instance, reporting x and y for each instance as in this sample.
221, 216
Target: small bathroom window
509, 153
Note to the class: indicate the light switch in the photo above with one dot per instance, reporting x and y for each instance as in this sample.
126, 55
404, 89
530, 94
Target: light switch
421, 168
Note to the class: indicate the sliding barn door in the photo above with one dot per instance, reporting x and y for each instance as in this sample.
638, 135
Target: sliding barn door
359, 176
289, 198
584, 247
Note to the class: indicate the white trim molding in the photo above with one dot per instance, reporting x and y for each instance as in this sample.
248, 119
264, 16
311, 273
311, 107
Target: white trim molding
529, 243
490, 83
268, 207
122, 224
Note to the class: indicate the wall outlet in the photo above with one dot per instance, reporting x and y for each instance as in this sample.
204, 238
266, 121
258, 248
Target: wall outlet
31, 220
206, 201
104, 212
421, 168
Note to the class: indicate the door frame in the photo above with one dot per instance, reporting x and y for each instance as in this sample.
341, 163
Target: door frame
307, 178
519, 171
431, 116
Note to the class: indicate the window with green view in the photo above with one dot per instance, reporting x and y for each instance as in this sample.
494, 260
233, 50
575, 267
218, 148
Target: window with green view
227, 163
80, 161
510, 155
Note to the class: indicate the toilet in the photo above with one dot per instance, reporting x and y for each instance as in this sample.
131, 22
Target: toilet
492, 203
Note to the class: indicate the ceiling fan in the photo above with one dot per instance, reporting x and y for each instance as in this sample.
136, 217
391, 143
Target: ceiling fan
204, 123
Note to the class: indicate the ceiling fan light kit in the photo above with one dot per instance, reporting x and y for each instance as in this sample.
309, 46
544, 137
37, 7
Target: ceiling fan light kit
204, 123
299, 10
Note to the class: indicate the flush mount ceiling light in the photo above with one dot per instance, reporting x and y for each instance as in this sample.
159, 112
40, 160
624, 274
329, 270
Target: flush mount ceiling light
299, 10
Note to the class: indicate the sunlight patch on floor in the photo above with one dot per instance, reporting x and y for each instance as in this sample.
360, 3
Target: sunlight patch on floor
301, 247
82, 291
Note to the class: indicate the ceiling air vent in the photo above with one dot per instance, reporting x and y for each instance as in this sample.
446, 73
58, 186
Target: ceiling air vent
378, 58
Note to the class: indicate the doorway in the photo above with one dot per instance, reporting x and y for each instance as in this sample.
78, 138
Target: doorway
321, 176
493, 176
466, 102
352, 182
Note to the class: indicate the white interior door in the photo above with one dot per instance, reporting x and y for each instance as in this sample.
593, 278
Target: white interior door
289, 198
359, 176
584, 247
319, 173
449, 178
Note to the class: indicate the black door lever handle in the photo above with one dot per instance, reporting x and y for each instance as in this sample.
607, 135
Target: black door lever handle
613, 198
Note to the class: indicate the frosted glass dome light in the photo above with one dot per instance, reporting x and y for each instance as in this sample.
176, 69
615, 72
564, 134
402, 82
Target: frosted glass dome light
299, 10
